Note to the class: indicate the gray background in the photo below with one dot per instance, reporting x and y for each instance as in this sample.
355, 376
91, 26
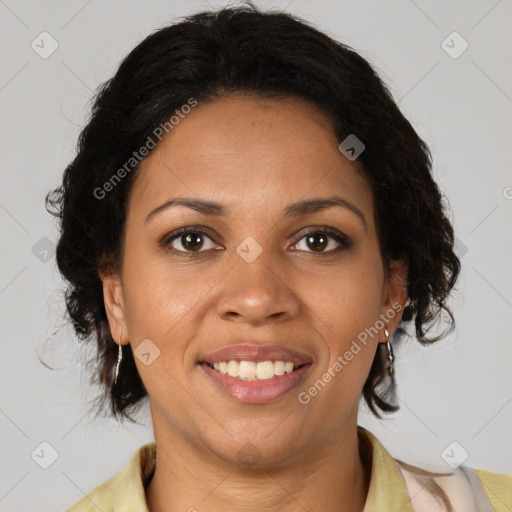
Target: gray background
458, 390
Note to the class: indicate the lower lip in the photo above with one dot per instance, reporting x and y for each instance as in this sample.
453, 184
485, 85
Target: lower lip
257, 391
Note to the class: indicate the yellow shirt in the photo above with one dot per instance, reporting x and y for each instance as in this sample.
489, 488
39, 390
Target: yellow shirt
394, 486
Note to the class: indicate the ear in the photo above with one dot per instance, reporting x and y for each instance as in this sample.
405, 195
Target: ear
394, 298
114, 306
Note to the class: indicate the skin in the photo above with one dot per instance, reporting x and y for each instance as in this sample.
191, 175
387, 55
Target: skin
254, 156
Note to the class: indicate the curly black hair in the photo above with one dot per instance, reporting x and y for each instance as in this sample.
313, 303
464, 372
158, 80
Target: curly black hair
270, 54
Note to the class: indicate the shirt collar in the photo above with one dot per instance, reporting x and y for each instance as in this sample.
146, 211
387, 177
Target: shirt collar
387, 490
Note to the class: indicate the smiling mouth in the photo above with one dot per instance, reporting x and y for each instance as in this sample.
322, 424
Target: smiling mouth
254, 370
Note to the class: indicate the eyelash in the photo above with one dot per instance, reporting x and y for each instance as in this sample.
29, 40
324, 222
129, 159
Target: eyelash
343, 240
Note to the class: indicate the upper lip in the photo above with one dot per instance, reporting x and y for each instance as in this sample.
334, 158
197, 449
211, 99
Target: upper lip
257, 352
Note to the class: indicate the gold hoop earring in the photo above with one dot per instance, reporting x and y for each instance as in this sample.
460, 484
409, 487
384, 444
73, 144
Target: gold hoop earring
391, 357
119, 357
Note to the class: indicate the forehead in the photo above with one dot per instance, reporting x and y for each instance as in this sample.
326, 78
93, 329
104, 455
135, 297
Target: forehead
249, 150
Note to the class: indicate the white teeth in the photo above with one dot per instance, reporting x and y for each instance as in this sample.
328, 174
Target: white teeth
233, 368
247, 370
279, 367
251, 370
265, 370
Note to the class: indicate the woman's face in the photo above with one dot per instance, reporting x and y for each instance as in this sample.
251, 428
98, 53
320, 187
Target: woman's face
273, 266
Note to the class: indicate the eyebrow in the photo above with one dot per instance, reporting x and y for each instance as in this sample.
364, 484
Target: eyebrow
297, 209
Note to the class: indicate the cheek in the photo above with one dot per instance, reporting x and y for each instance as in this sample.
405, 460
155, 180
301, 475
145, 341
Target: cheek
349, 347
159, 299
160, 306
349, 316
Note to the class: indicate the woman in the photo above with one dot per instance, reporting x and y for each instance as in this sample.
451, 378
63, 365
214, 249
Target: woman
248, 227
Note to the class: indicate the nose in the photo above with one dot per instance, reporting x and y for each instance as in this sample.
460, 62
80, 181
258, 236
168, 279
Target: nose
257, 293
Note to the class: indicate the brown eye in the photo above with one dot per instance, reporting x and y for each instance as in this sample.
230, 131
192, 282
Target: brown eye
190, 241
317, 241
323, 242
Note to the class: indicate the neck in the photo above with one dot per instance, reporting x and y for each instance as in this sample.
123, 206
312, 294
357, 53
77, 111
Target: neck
190, 477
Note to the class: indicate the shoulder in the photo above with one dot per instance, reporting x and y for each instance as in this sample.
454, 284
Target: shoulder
426, 490
465, 488
101, 498
125, 491
498, 488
